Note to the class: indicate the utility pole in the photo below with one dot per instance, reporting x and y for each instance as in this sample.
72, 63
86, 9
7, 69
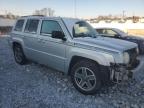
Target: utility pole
123, 14
75, 6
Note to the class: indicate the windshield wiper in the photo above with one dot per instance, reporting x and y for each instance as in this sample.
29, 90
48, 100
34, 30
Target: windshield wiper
86, 35
83, 35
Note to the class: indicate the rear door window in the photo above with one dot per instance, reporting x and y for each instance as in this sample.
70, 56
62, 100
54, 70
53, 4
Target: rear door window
19, 25
31, 25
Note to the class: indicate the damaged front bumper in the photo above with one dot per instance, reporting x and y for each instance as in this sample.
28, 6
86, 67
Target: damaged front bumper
121, 72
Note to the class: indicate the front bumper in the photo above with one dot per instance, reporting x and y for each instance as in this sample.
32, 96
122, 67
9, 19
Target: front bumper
121, 72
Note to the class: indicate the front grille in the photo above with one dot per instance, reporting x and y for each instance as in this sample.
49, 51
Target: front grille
133, 55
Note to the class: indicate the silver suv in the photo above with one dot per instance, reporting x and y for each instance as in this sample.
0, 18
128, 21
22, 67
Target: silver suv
73, 47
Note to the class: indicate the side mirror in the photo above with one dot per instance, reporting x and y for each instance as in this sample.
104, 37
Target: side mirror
58, 35
117, 36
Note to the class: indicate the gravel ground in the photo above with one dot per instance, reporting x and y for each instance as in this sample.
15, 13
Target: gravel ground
36, 86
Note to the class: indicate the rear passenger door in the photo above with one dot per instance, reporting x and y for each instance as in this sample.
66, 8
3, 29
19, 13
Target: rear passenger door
30, 39
52, 50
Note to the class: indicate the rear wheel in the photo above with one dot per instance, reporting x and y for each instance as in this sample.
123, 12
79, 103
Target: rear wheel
86, 77
19, 55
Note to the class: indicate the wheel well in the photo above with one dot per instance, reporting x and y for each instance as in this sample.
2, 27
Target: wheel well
75, 59
16, 44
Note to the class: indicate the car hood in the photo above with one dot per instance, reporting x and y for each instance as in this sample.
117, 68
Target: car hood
135, 37
106, 43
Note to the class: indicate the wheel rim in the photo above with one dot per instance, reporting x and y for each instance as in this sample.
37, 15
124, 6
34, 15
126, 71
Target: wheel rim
85, 78
18, 54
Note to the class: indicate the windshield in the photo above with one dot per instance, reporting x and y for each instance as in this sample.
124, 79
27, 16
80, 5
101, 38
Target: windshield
120, 32
83, 29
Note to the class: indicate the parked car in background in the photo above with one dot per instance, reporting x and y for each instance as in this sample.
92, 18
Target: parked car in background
73, 47
119, 34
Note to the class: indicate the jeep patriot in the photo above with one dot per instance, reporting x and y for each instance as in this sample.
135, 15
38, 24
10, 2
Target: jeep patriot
72, 46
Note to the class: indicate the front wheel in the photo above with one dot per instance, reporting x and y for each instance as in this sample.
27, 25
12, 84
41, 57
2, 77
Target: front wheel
19, 55
86, 77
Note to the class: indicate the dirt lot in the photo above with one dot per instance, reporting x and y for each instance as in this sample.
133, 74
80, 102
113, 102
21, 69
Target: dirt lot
136, 31
36, 86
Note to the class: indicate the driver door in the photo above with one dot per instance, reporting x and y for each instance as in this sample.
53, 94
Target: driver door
53, 51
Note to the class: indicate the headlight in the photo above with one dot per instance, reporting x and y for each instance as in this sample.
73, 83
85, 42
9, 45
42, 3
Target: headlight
126, 57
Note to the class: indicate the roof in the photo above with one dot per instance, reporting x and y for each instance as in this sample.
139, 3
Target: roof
69, 22
104, 28
39, 17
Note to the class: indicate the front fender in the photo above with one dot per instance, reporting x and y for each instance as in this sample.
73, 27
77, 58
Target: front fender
100, 57
18, 40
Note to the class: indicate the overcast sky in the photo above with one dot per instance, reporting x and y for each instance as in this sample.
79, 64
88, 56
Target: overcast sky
84, 8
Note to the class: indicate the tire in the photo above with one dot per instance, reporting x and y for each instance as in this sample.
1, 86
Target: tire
19, 55
85, 76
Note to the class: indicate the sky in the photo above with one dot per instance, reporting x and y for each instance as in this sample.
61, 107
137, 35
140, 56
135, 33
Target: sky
82, 9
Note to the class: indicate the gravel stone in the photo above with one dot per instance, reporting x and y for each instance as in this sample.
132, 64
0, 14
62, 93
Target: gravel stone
37, 86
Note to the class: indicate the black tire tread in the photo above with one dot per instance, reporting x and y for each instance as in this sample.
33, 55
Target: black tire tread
24, 60
94, 67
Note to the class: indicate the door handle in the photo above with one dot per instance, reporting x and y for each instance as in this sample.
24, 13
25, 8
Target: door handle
41, 40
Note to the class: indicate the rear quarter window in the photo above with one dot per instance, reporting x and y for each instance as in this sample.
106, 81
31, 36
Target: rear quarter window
19, 25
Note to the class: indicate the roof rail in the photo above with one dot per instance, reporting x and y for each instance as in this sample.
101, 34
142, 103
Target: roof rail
39, 15
34, 15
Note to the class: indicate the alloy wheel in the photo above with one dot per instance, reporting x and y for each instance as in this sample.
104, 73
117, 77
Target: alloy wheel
85, 78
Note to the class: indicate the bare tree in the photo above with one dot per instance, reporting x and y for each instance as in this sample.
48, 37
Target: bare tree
45, 11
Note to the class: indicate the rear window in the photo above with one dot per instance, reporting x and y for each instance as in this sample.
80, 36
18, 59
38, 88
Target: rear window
19, 25
31, 25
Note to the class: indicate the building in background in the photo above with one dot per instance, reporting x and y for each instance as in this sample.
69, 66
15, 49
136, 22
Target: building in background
6, 25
